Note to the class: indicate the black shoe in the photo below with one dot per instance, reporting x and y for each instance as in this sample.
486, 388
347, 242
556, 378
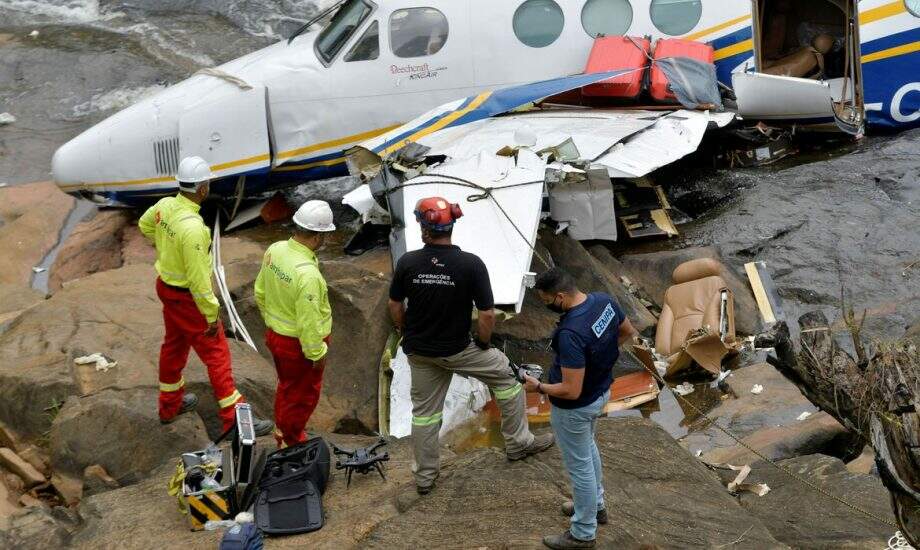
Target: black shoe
189, 403
568, 510
427, 488
566, 541
540, 443
262, 427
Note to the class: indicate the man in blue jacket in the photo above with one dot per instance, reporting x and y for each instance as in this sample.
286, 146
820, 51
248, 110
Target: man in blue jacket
587, 341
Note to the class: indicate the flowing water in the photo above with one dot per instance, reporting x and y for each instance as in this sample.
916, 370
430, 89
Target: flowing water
67, 64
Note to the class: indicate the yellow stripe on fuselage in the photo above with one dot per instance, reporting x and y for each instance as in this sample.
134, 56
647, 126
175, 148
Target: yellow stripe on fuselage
440, 124
336, 142
882, 12
735, 49
892, 52
717, 28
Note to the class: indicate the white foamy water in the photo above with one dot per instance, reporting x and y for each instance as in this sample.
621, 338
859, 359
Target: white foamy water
33, 11
115, 99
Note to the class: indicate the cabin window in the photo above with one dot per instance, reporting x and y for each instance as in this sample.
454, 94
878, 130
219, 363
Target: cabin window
368, 47
607, 17
418, 32
343, 25
913, 6
538, 23
675, 17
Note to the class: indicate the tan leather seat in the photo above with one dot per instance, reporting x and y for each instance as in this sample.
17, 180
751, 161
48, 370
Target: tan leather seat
805, 62
694, 302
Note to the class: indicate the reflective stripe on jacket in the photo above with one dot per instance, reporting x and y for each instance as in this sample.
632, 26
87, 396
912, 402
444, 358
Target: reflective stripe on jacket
292, 296
183, 249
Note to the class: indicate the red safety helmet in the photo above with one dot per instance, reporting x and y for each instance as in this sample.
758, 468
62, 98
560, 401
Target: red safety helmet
437, 214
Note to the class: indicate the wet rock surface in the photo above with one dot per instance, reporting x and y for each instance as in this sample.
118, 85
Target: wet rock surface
779, 404
123, 320
93, 246
803, 518
657, 493
32, 217
835, 223
121, 432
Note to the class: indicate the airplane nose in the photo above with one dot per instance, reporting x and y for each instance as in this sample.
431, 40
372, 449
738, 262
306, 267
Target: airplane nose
73, 162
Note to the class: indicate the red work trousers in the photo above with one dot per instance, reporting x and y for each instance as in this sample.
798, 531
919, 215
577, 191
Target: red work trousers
299, 384
185, 329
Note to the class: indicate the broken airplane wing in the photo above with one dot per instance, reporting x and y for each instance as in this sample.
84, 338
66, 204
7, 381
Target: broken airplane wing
496, 167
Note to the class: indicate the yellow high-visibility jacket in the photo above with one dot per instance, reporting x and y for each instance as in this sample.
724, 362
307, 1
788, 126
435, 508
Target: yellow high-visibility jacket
183, 249
293, 298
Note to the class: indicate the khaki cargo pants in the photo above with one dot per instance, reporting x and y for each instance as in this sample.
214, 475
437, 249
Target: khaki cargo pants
430, 381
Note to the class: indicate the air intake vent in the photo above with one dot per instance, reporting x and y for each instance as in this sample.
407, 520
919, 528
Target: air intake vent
166, 156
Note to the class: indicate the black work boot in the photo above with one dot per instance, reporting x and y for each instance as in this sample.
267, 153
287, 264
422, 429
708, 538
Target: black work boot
540, 443
189, 403
566, 541
568, 510
262, 427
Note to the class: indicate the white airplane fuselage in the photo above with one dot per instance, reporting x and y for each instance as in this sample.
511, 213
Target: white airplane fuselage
285, 114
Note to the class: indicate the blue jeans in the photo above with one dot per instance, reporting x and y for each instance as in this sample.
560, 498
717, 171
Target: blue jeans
574, 429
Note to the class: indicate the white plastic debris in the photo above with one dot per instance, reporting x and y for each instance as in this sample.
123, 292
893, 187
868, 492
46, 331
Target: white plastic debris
103, 363
803, 416
899, 542
661, 367
33, 34
684, 389
3, 184
757, 389
38, 269
244, 517
6, 118
723, 375
698, 453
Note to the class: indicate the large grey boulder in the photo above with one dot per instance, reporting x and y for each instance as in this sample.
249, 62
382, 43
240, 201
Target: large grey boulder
120, 431
93, 246
31, 219
803, 518
658, 496
118, 314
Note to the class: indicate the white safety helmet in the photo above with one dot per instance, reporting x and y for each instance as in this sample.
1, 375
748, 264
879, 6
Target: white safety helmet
193, 171
315, 216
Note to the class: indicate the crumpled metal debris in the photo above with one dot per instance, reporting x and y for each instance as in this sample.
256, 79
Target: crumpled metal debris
103, 363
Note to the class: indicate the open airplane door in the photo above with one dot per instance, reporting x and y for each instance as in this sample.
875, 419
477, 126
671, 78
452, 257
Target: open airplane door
231, 133
838, 97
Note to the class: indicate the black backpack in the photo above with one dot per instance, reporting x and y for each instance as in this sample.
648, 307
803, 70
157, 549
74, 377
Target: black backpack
291, 487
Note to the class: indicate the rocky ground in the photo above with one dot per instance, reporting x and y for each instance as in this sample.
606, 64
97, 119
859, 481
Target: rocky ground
84, 461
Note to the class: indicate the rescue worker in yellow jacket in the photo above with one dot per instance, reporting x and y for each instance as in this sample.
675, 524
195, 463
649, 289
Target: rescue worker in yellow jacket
292, 296
190, 309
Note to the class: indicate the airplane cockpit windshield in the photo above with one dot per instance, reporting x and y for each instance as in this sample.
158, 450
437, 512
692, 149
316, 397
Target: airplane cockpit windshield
341, 27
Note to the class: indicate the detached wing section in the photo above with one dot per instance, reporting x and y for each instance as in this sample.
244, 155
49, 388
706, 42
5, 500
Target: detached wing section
496, 164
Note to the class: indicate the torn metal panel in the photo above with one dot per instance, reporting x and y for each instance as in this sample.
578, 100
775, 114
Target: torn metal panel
672, 137
501, 199
585, 202
479, 107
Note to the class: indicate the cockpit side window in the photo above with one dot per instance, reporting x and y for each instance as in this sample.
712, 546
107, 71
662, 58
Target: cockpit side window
342, 26
368, 47
418, 32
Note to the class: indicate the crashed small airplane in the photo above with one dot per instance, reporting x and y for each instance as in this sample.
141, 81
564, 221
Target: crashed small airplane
285, 114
